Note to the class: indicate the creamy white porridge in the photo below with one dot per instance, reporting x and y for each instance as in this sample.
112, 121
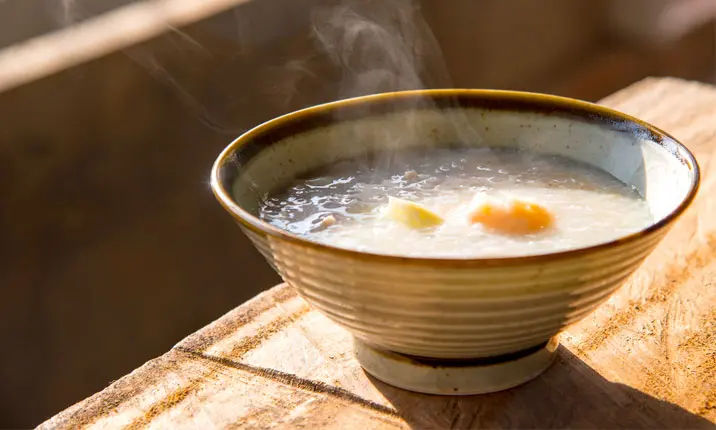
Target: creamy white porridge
477, 202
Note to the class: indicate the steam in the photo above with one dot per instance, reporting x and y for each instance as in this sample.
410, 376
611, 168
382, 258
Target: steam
369, 46
68, 10
384, 46
158, 58
380, 46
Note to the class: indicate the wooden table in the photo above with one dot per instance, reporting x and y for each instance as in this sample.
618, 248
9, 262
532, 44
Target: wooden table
644, 359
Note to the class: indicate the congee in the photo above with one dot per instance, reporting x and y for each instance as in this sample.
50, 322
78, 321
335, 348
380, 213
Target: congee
467, 202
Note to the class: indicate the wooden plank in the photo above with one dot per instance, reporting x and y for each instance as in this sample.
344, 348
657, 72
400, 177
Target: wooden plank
126, 26
645, 359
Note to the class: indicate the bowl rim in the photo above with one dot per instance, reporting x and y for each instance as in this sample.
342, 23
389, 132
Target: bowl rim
255, 224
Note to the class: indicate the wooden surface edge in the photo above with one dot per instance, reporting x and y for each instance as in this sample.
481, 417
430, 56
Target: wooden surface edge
84, 411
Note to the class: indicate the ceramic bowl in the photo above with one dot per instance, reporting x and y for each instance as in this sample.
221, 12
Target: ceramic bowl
454, 308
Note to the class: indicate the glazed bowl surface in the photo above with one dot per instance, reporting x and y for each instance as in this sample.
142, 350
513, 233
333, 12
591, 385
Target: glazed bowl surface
454, 308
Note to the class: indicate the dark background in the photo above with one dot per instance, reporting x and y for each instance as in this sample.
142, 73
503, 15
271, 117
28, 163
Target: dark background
112, 246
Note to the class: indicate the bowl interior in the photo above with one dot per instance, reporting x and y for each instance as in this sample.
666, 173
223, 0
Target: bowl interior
274, 154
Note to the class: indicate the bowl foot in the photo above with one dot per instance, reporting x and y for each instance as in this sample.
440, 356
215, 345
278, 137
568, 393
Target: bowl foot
455, 377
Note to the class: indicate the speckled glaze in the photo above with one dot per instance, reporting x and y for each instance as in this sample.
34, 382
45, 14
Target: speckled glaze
454, 308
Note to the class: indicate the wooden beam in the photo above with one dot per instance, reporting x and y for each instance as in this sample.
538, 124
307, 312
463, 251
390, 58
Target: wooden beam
123, 27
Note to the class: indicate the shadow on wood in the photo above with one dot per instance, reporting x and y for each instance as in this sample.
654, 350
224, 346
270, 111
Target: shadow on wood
568, 395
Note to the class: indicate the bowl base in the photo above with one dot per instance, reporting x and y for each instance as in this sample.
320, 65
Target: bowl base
455, 377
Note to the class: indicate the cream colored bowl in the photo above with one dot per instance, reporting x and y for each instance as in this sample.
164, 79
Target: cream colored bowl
454, 308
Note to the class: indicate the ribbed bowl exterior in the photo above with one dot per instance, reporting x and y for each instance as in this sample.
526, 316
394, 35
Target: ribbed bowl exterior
448, 309
454, 308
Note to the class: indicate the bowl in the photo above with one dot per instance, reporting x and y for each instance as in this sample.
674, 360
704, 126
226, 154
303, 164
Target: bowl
454, 325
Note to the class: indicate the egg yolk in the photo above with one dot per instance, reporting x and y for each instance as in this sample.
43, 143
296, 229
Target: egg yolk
513, 218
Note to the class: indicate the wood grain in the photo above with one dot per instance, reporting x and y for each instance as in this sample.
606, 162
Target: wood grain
645, 359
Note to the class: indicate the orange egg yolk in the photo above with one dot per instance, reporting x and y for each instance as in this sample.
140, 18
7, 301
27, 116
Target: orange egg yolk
514, 218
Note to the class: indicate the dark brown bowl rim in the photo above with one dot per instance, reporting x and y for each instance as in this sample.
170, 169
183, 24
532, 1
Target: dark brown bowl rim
538, 100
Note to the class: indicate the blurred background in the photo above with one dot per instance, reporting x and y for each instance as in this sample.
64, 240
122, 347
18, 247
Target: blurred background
112, 247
